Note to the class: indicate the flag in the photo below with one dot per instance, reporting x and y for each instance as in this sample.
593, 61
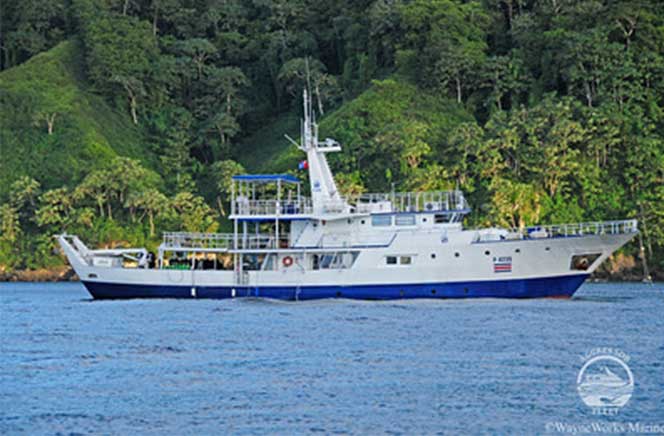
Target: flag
502, 265
303, 165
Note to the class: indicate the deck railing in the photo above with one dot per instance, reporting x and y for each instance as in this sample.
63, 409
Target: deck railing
398, 202
272, 207
185, 241
560, 231
197, 240
394, 202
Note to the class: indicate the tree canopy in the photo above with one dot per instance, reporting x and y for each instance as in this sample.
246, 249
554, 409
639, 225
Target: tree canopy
546, 111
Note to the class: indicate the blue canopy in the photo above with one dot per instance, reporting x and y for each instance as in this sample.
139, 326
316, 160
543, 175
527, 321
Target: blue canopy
267, 178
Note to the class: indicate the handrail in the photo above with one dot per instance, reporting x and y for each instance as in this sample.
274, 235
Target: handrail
392, 202
244, 206
223, 241
427, 201
618, 227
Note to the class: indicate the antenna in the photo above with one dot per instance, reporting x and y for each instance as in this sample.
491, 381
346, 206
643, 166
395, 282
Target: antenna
306, 64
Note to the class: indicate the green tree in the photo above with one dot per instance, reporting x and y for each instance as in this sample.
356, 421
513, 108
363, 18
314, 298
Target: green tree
29, 27
9, 224
96, 187
120, 55
224, 172
56, 207
515, 204
23, 193
150, 203
300, 73
223, 104
450, 40
193, 214
504, 78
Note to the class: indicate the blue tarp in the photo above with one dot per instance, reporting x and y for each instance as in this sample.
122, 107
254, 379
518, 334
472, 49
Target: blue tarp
267, 178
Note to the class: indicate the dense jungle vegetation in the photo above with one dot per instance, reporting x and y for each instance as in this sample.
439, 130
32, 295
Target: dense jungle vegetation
123, 118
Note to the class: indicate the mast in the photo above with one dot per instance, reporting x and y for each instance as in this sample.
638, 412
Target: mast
324, 192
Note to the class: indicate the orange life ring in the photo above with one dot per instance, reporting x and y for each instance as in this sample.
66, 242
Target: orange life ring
288, 261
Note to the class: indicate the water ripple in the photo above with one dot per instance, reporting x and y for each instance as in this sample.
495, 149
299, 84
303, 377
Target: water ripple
70, 365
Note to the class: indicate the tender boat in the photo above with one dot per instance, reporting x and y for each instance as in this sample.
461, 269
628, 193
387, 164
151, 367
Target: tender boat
371, 246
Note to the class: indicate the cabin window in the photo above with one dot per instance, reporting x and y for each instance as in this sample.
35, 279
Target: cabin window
270, 262
441, 218
337, 260
391, 260
405, 220
381, 220
326, 261
405, 260
252, 262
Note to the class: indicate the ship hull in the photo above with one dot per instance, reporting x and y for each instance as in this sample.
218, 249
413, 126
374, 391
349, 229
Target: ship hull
542, 287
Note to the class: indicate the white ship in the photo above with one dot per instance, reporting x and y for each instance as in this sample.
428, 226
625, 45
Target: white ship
373, 246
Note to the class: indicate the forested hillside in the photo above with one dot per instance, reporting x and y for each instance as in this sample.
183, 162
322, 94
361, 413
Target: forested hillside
123, 118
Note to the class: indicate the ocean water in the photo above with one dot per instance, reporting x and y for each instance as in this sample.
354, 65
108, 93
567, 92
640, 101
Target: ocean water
72, 365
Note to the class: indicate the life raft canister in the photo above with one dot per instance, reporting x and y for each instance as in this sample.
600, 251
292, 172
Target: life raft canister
287, 261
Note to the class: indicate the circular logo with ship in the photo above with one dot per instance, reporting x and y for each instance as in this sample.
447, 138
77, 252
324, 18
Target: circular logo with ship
605, 383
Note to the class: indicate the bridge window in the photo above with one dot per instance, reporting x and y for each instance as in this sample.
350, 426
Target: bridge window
391, 260
405, 220
441, 218
405, 260
381, 220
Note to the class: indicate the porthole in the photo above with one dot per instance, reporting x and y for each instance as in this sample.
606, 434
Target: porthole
338, 294
465, 290
518, 250
349, 221
456, 254
487, 252
547, 249
401, 293
433, 292
362, 222
433, 255
424, 220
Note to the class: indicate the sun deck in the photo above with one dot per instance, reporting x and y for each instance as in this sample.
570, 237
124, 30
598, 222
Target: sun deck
299, 207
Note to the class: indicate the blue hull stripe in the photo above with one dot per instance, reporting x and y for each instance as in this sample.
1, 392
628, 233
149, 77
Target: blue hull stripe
561, 286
